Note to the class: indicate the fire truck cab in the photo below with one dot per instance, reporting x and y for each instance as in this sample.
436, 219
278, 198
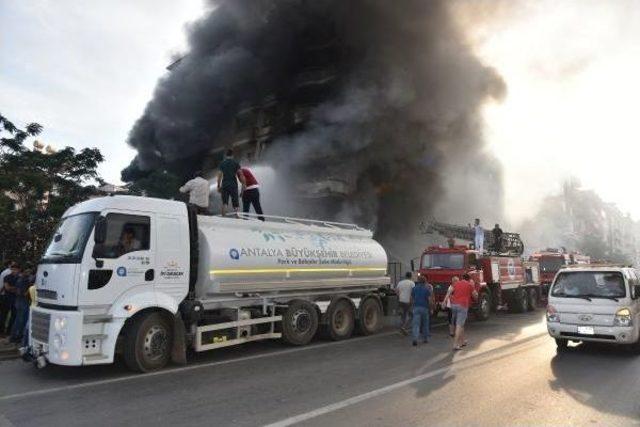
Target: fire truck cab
499, 279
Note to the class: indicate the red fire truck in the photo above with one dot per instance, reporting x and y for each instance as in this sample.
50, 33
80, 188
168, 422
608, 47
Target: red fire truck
501, 278
551, 260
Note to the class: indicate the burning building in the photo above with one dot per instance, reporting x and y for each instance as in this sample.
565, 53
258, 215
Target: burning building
368, 111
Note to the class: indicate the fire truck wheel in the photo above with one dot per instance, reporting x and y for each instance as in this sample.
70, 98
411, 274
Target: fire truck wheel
148, 343
561, 345
519, 301
369, 316
299, 322
532, 299
484, 306
340, 320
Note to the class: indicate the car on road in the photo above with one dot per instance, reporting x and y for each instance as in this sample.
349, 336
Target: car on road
596, 304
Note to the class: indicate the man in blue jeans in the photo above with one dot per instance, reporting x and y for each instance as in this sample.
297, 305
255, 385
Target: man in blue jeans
421, 297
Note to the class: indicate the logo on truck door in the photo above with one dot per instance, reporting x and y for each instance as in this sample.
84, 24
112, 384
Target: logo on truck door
511, 268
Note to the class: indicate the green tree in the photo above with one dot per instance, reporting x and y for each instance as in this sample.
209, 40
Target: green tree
36, 188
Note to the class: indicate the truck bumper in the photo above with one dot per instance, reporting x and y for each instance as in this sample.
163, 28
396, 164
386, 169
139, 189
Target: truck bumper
610, 334
56, 335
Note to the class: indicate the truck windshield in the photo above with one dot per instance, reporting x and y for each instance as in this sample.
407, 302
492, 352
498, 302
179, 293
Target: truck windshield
589, 284
69, 240
551, 265
451, 261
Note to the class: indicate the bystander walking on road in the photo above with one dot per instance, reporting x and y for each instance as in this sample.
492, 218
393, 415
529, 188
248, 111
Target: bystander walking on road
403, 289
421, 301
447, 304
461, 297
7, 308
21, 304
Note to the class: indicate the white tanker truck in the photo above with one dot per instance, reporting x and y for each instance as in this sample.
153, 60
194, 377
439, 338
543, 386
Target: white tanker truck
147, 278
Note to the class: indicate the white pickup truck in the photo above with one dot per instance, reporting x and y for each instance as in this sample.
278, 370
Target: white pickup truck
148, 278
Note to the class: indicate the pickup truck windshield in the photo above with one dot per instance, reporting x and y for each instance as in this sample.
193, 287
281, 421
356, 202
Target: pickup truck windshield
69, 240
589, 284
450, 261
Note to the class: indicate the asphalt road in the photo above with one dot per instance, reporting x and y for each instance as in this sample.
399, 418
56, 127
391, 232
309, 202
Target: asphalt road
509, 375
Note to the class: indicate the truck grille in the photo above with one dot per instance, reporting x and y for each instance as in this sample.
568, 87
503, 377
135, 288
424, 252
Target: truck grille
47, 294
40, 323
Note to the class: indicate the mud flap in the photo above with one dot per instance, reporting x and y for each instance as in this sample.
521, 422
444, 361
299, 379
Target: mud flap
179, 350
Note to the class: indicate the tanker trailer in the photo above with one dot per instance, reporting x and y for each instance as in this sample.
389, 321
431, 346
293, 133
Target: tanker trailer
148, 278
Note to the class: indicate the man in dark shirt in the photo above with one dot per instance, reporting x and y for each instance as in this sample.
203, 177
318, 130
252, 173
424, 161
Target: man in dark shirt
497, 238
21, 304
421, 299
228, 181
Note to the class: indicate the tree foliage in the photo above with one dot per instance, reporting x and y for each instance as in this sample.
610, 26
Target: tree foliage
36, 188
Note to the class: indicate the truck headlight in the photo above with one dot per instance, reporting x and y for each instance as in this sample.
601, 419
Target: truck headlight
552, 314
59, 340
59, 323
622, 317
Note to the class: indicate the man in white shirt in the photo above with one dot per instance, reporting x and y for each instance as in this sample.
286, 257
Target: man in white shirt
198, 189
403, 289
479, 237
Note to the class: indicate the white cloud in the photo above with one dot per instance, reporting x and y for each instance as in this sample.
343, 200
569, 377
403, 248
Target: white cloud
86, 73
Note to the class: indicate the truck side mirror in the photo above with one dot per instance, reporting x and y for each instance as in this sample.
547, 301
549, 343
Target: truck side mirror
413, 266
100, 232
635, 292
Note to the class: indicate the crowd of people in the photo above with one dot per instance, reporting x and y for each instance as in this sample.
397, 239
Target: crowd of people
16, 296
416, 304
231, 176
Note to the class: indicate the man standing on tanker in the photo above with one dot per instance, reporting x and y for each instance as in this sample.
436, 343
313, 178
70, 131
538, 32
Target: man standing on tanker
198, 189
228, 181
251, 194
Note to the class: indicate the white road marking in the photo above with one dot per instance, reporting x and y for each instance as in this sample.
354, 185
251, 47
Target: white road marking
463, 362
190, 367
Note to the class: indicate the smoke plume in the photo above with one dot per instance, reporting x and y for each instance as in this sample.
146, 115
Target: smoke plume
399, 124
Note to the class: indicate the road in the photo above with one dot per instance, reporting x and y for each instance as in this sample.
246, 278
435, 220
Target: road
510, 375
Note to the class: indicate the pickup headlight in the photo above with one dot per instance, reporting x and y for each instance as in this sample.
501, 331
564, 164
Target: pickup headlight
552, 314
59, 323
622, 317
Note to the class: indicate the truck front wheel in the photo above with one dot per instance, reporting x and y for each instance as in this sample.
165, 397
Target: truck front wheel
484, 306
533, 299
369, 316
340, 320
299, 323
148, 343
519, 301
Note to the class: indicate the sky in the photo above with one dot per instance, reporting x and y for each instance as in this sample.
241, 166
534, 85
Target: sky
571, 69
86, 73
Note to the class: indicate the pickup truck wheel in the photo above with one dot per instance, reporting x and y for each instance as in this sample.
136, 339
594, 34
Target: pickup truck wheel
519, 301
369, 316
148, 343
340, 320
483, 310
299, 323
532, 295
561, 345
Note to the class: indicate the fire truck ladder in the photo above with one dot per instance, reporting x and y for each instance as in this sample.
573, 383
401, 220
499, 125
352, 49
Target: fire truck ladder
510, 243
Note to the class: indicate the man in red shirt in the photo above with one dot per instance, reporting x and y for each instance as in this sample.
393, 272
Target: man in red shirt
251, 193
461, 298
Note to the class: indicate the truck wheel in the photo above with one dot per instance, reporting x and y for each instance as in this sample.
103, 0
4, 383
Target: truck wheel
532, 295
561, 345
519, 301
340, 320
483, 310
299, 323
369, 316
148, 343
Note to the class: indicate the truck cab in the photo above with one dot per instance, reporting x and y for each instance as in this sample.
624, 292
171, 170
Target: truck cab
439, 265
109, 260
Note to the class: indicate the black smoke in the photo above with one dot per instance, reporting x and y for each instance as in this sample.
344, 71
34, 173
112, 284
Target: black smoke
400, 122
